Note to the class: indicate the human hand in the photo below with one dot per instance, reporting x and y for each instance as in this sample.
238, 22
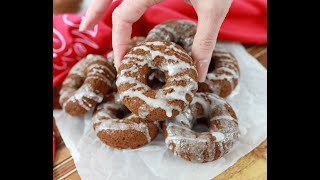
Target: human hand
211, 14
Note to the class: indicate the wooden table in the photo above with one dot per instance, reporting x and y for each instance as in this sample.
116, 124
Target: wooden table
253, 166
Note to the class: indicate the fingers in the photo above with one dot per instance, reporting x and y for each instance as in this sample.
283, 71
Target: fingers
94, 13
128, 12
210, 17
203, 44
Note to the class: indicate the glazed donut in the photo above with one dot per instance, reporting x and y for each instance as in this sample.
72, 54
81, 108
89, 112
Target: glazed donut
205, 146
180, 32
223, 74
86, 84
167, 102
119, 131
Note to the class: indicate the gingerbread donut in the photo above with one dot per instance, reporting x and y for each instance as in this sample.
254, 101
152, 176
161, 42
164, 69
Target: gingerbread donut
223, 74
167, 102
205, 146
117, 130
178, 31
86, 84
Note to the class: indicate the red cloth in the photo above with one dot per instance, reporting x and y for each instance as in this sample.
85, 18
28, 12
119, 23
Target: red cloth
245, 22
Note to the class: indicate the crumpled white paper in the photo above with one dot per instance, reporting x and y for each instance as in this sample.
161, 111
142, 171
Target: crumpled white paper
96, 161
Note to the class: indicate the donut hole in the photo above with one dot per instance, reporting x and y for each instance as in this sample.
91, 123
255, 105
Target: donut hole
211, 66
201, 125
180, 43
120, 113
156, 79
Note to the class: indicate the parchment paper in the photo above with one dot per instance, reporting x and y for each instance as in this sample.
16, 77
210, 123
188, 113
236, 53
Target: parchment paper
96, 161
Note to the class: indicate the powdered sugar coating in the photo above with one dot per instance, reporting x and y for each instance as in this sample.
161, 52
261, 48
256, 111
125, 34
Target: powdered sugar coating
206, 146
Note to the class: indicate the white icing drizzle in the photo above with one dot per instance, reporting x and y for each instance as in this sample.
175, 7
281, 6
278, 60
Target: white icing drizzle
219, 136
153, 103
230, 118
182, 32
78, 69
173, 69
216, 87
223, 55
64, 93
155, 43
196, 144
69, 81
177, 31
93, 58
116, 125
227, 67
95, 71
84, 91
100, 68
132, 69
104, 119
129, 56
172, 46
186, 118
231, 71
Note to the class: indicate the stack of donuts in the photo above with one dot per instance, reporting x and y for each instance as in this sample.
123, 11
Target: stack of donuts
155, 90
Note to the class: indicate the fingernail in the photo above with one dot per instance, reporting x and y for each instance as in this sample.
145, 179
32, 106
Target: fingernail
82, 26
85, 26
203, 69
116, 65
202, 77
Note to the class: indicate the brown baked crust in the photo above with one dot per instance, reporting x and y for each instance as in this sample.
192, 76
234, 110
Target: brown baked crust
223, 75
206, 146
181, 80
180, 32
86, 84
121, 133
